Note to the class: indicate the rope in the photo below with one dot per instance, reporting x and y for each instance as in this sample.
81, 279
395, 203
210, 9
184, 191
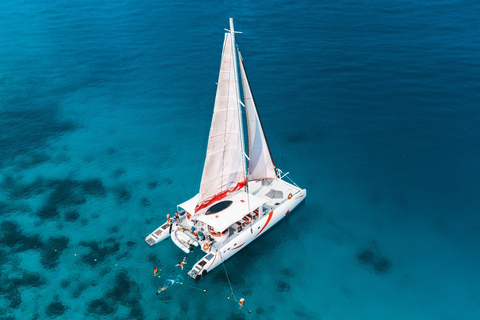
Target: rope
204, 290
229, 283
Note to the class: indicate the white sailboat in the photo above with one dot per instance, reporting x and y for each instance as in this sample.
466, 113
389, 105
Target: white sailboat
234, 205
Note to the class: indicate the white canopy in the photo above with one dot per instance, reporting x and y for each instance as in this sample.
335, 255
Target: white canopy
240, 207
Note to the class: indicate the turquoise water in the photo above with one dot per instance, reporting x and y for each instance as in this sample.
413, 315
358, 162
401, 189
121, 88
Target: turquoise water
373, 107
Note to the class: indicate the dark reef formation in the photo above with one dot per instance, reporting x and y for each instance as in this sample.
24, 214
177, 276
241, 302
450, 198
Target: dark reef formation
55, 309
374, 260
66, 193
11, 286
283, 286
124, 292
98, 252
52, 251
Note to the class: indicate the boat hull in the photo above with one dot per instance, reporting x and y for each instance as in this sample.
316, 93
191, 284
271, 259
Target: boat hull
160, 234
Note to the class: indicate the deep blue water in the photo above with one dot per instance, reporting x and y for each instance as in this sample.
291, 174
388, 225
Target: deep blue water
373, 107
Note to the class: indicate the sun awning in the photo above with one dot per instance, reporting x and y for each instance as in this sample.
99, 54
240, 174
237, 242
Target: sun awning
241, 206
189, 205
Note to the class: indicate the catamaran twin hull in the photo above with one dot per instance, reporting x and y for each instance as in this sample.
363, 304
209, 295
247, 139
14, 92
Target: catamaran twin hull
277, 197
236, 203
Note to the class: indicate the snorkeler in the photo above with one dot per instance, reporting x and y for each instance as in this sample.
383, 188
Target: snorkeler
167, 284
162, 289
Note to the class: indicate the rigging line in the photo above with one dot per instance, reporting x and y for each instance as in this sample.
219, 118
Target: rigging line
229, 283
292, 181
235, 59
275, 140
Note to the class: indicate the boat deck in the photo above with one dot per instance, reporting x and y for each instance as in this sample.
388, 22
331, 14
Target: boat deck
274, 192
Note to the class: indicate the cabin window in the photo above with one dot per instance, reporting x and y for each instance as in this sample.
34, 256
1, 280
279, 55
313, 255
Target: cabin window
219, 207
209, 256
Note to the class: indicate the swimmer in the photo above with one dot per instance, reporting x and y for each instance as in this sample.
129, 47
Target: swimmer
181, 264
155, 271
162, 289
167, 284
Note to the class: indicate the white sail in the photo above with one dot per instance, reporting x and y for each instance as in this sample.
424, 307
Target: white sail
260, 165
224, 169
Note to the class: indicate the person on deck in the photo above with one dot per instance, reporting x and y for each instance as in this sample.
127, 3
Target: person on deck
177, 217
169, 223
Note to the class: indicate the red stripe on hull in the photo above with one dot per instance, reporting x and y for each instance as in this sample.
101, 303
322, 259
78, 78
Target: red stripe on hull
212, 261
238, 246
268, 220
287, 212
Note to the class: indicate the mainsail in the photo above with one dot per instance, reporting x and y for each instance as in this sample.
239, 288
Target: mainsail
224, 169
260, 164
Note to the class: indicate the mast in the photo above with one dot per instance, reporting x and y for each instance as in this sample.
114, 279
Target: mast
235, 64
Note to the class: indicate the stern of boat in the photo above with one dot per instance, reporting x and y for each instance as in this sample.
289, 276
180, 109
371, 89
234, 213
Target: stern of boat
200, 269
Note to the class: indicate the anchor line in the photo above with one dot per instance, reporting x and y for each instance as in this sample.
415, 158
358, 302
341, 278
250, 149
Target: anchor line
229, 283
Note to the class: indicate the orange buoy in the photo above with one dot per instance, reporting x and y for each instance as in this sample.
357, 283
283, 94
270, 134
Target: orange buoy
242, 301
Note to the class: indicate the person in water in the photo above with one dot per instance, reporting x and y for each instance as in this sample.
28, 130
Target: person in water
167, 284
181, 264
162, 289
155, 271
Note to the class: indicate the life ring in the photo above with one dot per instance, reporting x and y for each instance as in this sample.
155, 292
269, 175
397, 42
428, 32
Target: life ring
290, 196
206, 246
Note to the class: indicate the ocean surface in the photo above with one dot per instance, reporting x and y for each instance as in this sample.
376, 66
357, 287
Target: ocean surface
372, 106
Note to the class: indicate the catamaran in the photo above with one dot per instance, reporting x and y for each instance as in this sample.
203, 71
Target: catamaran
241, 196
